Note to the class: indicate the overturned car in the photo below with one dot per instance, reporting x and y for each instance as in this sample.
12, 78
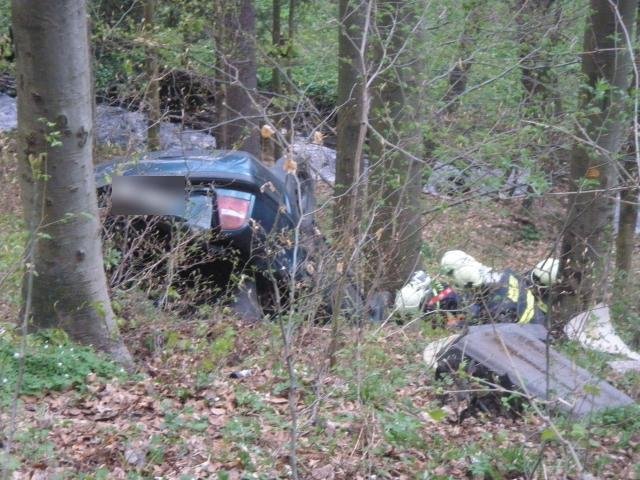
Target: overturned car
181, 223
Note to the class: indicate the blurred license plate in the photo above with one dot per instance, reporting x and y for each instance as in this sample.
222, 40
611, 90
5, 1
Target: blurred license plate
148, 195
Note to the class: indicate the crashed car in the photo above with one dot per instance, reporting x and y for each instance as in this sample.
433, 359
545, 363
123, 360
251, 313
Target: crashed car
240, 216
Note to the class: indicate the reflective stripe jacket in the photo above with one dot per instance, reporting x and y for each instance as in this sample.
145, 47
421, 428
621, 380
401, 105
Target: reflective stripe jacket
509, 300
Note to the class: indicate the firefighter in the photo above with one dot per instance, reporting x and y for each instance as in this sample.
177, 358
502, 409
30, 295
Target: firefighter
545, 274
445, 306
542, 278
423, 293
499, 296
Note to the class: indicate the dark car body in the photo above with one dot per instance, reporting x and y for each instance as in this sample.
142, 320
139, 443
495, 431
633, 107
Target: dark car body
274, 201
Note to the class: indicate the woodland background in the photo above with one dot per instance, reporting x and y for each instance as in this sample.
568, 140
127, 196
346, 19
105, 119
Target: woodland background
506, 128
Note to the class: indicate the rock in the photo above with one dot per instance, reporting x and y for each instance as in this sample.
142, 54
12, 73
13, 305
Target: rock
173, 136
116, 126
122, 128
322, 159
624, 366
128, 130
8, 113
446, 179
594, 330
517, 183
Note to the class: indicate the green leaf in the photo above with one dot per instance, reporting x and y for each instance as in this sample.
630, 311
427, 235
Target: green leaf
438, 414
548, 435
592, 390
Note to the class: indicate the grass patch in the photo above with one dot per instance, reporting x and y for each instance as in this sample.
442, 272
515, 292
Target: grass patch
49, 362
12, 241
402, 430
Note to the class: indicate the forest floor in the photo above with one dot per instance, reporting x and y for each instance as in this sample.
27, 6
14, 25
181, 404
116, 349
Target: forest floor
375, 414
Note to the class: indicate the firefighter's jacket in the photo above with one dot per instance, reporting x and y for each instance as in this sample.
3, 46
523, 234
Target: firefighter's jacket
508, 300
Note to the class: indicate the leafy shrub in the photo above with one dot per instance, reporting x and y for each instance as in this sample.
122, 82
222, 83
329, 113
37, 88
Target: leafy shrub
242, 430
402, 430
48, 361
219, 349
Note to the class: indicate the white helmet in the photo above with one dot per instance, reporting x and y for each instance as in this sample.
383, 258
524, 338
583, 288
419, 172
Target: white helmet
471, 275
411, 296
546, 272
454, 259
466, 270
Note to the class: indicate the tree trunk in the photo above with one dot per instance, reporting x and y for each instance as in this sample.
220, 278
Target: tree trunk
153, 87
353, 109
292, 20
536, 22
276, 41
625, 240
290, 41
587, 238
459, 73
238, 83
69, 288
396, 143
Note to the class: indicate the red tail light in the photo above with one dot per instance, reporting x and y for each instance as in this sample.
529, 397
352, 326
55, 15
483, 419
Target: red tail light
233, 212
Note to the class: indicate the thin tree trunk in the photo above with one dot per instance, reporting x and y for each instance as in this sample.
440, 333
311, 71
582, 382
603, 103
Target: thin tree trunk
56, 172
238, 83
353, 110
625, 240
153, 87
396, 142
459, 73
291, 19
276, 42
627, 221
272, 150
536, 22
587, 238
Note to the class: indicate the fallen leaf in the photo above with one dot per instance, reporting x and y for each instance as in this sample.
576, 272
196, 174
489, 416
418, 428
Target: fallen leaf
323, 473
318, 137
290, 165
267, 131
277, 400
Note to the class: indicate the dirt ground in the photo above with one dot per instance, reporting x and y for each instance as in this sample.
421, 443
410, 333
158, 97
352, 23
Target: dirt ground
376, 414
